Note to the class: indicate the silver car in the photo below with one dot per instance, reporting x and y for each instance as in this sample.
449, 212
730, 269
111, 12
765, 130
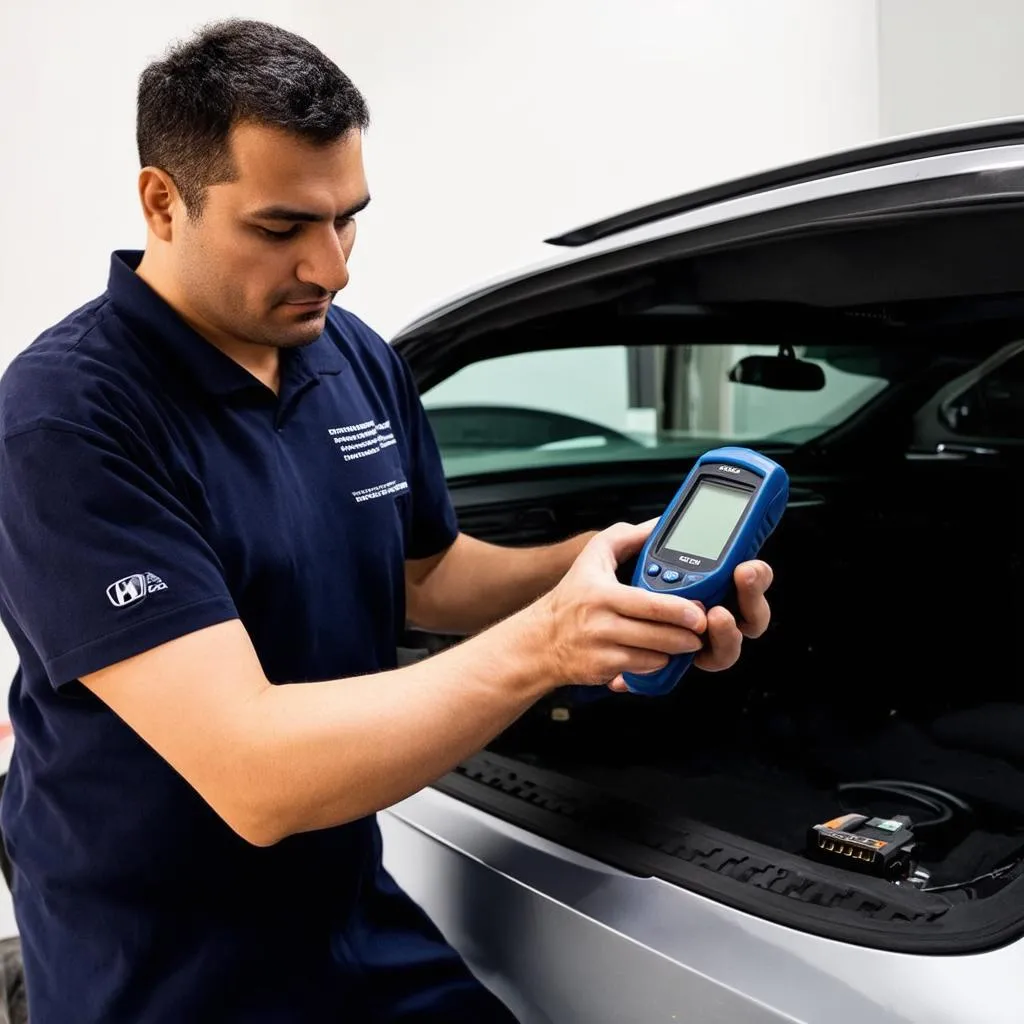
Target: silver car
860, 319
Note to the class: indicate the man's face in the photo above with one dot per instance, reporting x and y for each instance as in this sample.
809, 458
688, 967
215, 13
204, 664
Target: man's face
271, 248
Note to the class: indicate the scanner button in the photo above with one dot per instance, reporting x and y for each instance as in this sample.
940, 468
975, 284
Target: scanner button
653, 569
692, 577
670, 575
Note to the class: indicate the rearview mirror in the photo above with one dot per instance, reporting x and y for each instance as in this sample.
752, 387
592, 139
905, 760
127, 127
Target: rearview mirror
783, 372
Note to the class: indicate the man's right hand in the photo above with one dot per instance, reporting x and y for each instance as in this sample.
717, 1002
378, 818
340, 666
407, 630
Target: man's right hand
591, 628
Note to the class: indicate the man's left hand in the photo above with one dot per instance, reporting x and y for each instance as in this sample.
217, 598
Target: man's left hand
724, 636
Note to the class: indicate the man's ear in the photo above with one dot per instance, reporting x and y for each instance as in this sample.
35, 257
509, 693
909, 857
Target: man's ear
160, 200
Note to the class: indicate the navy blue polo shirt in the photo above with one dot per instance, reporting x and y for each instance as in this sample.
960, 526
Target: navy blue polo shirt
150, 487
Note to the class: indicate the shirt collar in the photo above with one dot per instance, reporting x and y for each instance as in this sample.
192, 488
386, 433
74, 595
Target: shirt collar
208, 367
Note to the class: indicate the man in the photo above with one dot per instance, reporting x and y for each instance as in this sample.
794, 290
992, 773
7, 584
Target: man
205, 593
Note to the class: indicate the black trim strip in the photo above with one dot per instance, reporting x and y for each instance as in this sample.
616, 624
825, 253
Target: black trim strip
931, 144
748, 876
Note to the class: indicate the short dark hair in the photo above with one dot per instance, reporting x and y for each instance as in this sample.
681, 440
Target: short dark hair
232, 72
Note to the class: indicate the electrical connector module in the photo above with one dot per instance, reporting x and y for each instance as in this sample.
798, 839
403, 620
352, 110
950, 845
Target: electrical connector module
882, 847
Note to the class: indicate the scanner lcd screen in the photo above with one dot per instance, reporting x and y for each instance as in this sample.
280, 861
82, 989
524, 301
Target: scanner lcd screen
708, 520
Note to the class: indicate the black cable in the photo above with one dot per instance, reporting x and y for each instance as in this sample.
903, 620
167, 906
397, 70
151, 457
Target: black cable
951, 799
995, 873
941, 803
892, 787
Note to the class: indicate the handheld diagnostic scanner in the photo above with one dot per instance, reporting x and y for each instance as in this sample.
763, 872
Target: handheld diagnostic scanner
726, 508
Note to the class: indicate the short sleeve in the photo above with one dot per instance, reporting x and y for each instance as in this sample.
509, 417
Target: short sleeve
99, 558
434, 524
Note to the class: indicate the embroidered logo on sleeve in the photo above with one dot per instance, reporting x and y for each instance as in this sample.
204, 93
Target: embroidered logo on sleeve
134, 588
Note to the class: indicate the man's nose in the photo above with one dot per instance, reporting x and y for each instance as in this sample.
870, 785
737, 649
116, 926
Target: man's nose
324, 262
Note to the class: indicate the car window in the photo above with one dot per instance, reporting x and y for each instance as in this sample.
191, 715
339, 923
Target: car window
993, 408
592, 404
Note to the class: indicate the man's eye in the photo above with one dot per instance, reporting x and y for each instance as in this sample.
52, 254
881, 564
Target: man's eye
279, 235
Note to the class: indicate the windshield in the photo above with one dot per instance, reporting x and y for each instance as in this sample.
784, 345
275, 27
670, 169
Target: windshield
588, 405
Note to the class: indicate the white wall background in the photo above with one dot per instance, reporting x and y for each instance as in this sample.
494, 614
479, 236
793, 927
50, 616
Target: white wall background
495, 125
945, 62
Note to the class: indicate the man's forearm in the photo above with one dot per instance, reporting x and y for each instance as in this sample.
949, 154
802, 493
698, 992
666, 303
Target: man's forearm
399, 731
330, 752
477, 584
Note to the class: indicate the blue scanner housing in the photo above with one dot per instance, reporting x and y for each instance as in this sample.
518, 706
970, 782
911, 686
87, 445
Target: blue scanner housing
726, 508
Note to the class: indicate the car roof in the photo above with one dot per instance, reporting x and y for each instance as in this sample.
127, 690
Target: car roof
922, 155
